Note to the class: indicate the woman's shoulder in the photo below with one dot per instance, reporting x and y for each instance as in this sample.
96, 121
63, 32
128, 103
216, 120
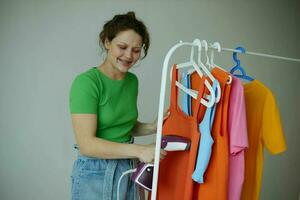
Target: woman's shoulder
132, 76
87, 78
88, 75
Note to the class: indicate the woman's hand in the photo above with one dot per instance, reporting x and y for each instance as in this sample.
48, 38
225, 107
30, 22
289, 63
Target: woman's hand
154, 123
147, 154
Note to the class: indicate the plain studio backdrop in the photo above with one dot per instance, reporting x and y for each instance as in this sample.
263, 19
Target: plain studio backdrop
45, 44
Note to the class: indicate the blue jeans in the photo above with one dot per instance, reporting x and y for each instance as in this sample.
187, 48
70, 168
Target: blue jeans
94, 178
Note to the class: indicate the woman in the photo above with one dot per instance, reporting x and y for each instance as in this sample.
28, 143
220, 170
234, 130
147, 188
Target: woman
103, 104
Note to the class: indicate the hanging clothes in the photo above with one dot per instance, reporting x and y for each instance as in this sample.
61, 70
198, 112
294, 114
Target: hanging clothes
216, 175
238, 139
264, 130
186, 98
175, 171
206, 141
205, 126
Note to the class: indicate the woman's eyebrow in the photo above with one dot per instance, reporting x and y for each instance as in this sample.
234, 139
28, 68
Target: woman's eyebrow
123, 43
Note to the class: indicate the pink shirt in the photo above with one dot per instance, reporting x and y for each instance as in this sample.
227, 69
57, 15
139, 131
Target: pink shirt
238, 139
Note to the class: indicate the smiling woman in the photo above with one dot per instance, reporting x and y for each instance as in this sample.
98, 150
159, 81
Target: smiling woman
103, 105
123, 38
123, 51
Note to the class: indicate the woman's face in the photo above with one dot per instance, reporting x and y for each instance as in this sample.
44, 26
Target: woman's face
124, 50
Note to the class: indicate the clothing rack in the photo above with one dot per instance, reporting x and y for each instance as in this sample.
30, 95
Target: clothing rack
162, 98
260, 54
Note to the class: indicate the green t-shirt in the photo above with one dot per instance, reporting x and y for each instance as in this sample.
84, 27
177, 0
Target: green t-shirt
113, 101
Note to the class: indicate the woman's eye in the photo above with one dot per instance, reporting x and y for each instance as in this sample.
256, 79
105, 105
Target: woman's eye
122, 47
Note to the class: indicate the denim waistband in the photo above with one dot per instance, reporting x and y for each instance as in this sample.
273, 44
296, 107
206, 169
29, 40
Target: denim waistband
131, 141
111, 167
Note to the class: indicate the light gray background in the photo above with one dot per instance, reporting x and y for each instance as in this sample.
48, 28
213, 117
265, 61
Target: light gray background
45, 44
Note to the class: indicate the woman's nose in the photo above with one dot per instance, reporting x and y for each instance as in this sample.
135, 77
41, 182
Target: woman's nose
128, 54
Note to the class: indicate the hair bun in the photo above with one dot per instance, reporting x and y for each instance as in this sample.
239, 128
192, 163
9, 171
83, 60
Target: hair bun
131, 14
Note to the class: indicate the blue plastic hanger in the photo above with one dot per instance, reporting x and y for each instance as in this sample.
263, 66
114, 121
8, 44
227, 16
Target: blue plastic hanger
238, 66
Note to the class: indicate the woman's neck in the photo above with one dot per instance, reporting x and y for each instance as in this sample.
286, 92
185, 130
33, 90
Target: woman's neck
111, 71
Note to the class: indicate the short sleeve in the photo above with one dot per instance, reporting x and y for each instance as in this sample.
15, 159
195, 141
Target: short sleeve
271, 130
84, 95
237, 123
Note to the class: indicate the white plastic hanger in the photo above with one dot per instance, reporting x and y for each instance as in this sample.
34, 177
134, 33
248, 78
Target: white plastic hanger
216, 45
196, 68
204, 68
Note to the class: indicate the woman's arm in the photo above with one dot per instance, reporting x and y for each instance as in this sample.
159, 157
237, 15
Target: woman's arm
142, 129
85, 126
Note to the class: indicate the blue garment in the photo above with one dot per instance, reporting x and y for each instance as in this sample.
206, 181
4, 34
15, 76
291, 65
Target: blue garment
206, 141
94, 179
186, 99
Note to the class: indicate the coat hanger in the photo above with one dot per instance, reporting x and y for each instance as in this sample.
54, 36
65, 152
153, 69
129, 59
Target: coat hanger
216, 45
238, 66
204, 68
196, 68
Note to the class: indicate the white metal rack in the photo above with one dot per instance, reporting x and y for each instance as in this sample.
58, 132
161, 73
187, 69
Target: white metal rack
162, 100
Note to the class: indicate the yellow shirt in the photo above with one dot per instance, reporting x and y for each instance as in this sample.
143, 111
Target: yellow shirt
264, 130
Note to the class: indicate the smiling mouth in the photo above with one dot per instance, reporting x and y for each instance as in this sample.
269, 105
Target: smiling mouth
125, 62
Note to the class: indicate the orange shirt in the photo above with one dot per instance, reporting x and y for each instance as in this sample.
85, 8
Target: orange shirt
264, 129
216, 176
175, 171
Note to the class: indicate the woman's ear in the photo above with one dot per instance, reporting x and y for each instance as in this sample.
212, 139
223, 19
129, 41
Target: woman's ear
106, 44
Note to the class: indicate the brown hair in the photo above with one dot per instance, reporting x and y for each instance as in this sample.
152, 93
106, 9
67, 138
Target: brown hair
125, 22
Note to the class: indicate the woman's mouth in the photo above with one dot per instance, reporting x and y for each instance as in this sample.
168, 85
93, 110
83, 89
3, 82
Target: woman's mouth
125, 63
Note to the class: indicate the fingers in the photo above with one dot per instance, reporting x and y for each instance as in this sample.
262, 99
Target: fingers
166, 113
163, 154
149, 155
